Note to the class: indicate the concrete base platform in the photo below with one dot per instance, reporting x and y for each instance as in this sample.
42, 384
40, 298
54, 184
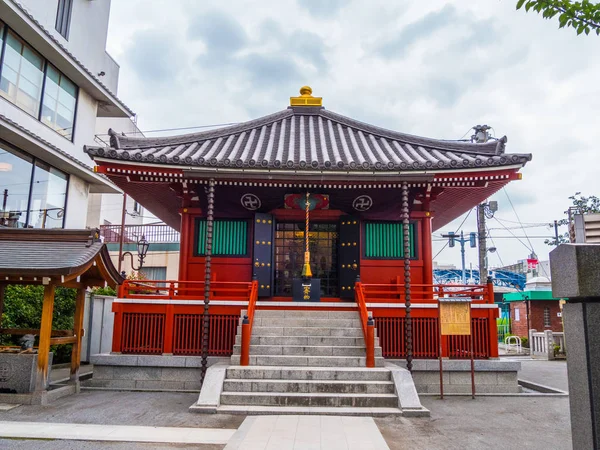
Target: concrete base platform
40, 398
148, 372
492, 376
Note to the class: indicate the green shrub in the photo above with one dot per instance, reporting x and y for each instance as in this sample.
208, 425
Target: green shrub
23, 309
524, 342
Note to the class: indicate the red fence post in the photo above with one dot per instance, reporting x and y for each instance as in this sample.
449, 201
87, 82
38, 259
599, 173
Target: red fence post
370, 342
245, 353
492, 324
117, 328
168, 336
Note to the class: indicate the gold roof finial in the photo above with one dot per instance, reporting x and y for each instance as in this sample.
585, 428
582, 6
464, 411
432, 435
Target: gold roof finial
306, 98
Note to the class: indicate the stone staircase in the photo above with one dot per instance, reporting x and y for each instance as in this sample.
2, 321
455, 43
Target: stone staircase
307, 362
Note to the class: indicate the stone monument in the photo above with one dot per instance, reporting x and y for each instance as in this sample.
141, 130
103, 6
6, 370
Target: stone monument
576, 275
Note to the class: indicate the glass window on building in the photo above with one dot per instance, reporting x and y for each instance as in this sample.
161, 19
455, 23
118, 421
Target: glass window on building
15, 183
547, 322
60, 98
22, 75
48, 197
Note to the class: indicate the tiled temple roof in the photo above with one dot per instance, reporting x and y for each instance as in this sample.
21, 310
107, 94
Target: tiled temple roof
308, 138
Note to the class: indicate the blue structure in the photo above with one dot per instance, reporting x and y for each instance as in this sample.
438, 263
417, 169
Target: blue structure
502, 278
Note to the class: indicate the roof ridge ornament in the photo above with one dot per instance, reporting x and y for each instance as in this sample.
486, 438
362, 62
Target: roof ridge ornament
306, 98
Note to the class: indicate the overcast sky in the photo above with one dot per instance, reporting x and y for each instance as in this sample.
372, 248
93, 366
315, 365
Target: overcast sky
430, 68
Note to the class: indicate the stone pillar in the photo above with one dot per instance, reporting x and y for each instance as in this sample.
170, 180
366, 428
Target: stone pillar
576, 275
549, 338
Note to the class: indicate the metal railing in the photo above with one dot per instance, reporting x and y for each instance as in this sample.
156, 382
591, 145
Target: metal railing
132, 233
367, 323
247, 325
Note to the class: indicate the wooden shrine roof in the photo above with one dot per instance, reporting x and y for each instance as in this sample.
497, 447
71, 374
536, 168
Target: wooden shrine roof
305, 138
29, 255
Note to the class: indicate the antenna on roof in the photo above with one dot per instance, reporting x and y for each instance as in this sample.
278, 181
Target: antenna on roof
481, 135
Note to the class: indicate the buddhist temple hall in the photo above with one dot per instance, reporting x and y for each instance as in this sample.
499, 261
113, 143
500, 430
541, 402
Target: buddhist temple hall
303, 213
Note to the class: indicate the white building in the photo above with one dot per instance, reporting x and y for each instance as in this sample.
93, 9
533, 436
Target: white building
57, 82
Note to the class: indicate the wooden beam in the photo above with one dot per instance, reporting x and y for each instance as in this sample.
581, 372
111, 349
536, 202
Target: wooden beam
34, 331
78, 328
45, 336
63, 340
80, 272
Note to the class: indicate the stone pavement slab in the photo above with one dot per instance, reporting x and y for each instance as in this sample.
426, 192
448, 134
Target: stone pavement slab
114, 433
307, 433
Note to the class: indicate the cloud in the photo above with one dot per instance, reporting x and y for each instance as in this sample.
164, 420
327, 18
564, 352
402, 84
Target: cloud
424, 27
271, 70
155, 56
323, 8
220, 32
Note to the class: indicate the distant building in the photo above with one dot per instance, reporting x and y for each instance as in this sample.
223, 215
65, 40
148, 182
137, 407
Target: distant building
534, 308
56, 82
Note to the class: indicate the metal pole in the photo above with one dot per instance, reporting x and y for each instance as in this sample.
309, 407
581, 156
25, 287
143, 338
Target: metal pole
462, 252
483, 272
406, 235
556, 233
207, 273
122, 230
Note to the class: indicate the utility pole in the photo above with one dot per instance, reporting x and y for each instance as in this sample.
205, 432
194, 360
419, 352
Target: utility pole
556, 233
461, 240
483, 270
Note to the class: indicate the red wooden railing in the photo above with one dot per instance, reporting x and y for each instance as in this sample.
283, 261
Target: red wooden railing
425, 332
184, 290
153, 325
247, 325
367, 323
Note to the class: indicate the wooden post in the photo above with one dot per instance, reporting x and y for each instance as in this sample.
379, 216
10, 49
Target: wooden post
492, 325
45, 335
370, 343
246, 332
117, 327
407, 277
169, 328
78, 332
207, 274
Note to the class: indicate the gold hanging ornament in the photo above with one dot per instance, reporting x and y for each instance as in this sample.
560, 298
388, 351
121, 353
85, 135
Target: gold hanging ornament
306, 272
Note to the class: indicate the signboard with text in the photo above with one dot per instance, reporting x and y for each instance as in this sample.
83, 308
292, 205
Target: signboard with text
455, 318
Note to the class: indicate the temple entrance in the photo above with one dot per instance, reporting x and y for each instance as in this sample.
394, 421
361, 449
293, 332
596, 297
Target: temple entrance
289, 256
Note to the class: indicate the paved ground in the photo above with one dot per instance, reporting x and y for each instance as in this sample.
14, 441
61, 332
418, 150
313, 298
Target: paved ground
307, 432
507, 423
548, 373
455, 423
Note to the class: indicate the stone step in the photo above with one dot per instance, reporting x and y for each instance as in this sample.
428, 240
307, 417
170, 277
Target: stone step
309, 322
357, 374
309, 399
249, 410
301, 350
309, 386
318, 361
295, 314
304, 331
339, 341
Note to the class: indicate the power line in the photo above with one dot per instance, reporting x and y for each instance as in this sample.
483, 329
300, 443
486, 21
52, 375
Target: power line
516, 237
517, 216
494, 244
457, 230
179, 129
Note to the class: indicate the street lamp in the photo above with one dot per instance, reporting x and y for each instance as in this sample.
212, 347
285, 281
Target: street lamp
484, 211
142, 249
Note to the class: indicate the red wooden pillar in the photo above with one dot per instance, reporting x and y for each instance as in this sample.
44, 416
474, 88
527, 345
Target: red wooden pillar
117, 327
169, 328
492, 324
187, 234
427, 250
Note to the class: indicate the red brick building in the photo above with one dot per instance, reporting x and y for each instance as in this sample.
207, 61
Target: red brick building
534, 308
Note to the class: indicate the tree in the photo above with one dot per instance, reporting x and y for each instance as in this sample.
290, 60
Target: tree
583, 16
581, 205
